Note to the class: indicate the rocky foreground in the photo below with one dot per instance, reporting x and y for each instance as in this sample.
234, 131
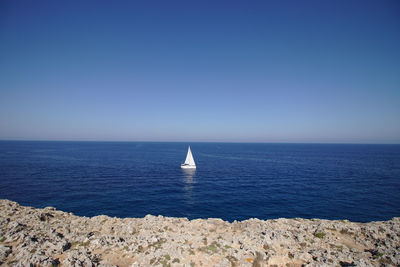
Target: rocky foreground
48, 237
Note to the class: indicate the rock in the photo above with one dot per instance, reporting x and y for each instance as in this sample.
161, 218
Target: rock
47, 237
4, 252
66, 246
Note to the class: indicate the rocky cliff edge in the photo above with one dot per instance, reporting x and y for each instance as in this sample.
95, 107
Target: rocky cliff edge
48, 237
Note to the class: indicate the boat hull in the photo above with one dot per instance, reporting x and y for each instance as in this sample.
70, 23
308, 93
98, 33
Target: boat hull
188, 166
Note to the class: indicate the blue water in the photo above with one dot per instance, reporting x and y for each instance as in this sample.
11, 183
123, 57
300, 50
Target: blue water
232, 181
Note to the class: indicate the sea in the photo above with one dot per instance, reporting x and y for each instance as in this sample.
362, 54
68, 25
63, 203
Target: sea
233, 181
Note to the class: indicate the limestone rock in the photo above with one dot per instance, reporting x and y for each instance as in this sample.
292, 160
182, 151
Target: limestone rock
48, 237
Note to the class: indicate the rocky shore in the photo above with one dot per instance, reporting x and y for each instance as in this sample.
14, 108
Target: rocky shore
48, 237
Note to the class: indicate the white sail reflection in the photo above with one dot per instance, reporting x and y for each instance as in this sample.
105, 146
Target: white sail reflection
189, 176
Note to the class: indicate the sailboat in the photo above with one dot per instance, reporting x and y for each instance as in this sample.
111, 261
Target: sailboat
189, 162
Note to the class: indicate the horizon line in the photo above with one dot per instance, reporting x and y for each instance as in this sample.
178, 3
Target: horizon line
160, 141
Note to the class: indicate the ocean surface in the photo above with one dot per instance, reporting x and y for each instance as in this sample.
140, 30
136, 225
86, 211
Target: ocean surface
233, 181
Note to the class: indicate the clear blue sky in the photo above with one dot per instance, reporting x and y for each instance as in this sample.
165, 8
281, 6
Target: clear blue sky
253, 71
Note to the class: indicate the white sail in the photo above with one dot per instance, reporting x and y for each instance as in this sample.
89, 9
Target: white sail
189, 158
